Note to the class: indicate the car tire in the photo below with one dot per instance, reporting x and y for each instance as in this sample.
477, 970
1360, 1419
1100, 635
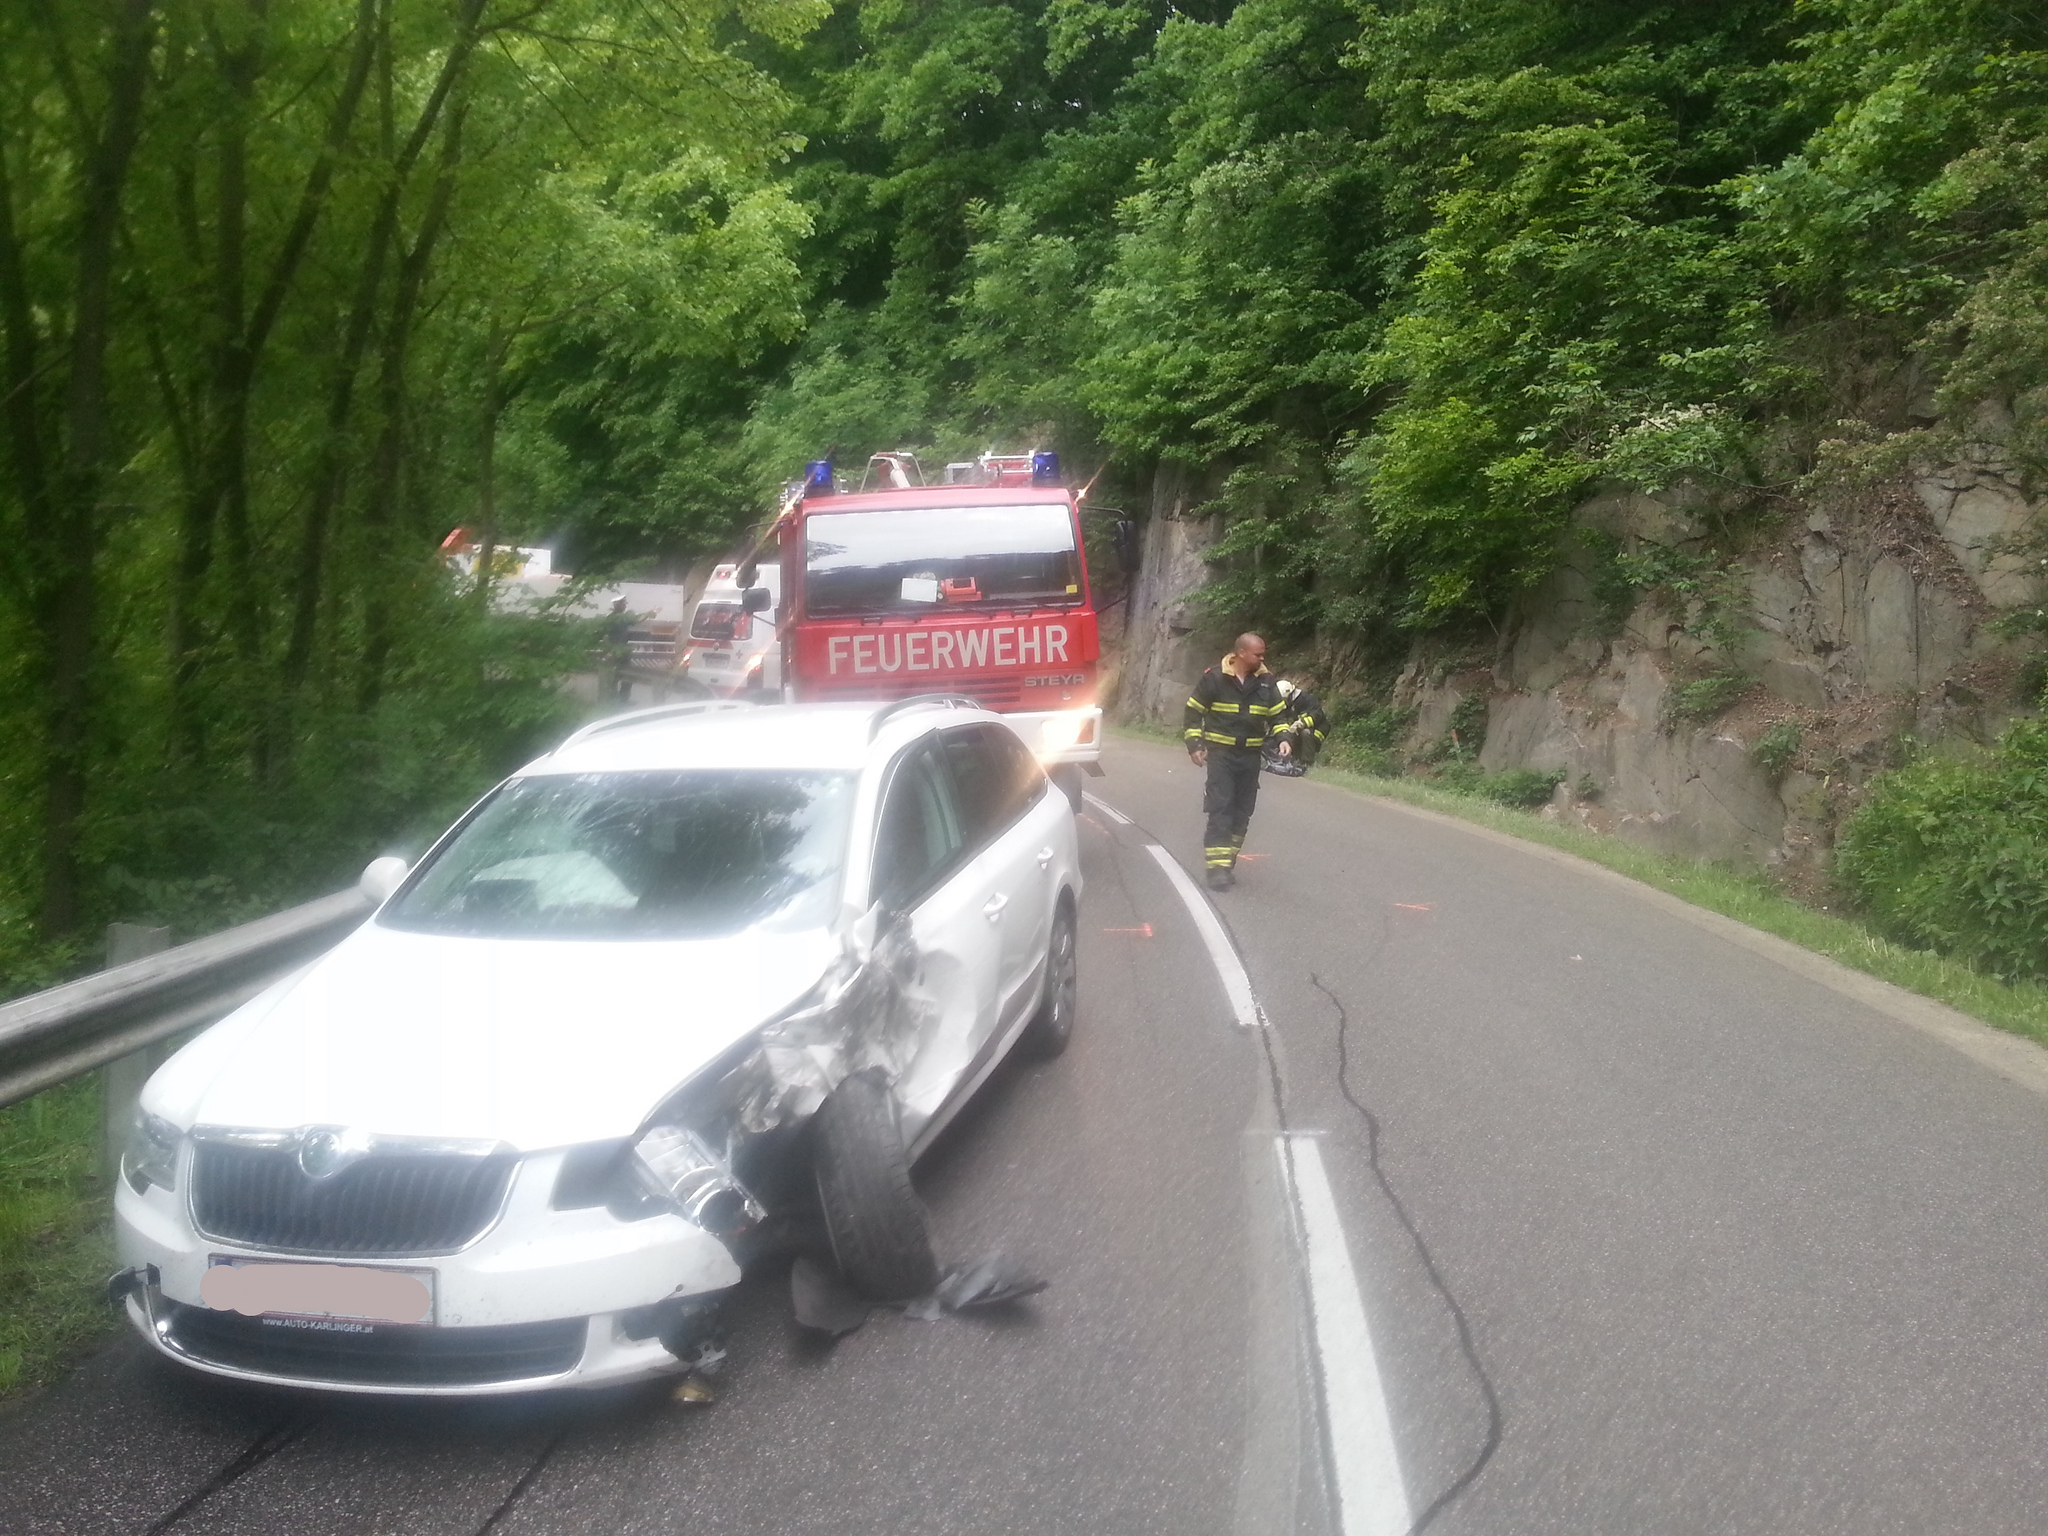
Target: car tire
1068, 777
1053, 1025
872, 1214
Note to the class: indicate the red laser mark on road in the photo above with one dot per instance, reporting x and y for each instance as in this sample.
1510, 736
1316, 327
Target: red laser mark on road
1255, 855
1144, 932
1415, 906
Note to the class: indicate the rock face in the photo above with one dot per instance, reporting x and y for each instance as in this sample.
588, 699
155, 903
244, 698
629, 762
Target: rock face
1846, 630
1168, 637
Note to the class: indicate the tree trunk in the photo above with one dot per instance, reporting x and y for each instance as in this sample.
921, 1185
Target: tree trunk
23, 375
380, 519
487, 464
71, 548
244, 333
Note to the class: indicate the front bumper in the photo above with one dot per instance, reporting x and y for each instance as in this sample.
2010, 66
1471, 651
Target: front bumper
543, 1299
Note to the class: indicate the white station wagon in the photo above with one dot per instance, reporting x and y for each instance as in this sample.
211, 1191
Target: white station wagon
697, 971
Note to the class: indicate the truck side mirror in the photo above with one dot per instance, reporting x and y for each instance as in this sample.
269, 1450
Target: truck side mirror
755, 600
1126, 536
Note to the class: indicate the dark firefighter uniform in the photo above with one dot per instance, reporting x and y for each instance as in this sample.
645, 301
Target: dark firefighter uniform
1231, 716
1303, 726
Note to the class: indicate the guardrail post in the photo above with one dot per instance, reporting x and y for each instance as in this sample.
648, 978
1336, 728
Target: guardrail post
121, 1080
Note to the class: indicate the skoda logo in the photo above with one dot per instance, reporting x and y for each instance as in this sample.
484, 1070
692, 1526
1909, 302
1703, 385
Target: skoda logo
322, 1155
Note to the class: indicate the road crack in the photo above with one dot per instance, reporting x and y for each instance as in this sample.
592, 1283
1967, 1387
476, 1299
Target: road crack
1466, 1344
277, 1438
526, 1480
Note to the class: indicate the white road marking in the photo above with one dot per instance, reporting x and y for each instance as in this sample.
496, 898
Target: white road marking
1237, 986
1107, 809
1371, 1498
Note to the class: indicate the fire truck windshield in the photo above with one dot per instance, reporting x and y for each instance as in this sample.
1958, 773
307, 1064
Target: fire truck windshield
926, 559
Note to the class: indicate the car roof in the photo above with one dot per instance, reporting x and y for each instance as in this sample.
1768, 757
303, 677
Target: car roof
782, 736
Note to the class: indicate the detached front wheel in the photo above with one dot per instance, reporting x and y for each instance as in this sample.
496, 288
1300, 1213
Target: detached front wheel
1053, 1025
872, 1214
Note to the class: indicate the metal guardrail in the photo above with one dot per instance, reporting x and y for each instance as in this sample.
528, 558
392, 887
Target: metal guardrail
48, 1037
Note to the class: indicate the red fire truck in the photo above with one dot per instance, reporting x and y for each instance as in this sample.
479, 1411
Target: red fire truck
975, 586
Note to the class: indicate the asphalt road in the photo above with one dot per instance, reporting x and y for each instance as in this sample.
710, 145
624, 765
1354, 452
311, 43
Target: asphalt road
1636, 1230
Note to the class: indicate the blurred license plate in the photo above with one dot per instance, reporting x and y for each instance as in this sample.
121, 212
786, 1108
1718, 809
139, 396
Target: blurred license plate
342, 1293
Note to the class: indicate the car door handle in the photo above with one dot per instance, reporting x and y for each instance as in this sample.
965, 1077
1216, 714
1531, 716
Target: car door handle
1044, 857
994, 909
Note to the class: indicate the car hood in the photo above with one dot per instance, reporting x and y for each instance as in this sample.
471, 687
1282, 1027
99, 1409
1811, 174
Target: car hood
534, 1043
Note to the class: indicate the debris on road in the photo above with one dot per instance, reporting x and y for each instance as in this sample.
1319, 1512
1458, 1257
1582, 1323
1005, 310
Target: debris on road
824, 1302
693, 1389
993, 1281
988, 1282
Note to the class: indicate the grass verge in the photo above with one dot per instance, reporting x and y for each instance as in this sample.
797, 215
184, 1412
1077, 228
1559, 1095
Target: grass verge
56, 1241
1746, 896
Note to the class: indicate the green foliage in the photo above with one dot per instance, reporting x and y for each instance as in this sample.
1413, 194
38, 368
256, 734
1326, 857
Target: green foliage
1382, 729
1775, 749
1518, 788
1705, 698
1951, 854
1370, 741
1523, 787
54, 1247
360, 271
1464, 733
1409, 280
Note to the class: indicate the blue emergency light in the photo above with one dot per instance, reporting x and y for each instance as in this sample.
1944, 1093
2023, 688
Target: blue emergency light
1045, 469
818, 478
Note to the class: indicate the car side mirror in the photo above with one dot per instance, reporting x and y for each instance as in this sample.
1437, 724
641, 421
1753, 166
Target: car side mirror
755, 600
383, 876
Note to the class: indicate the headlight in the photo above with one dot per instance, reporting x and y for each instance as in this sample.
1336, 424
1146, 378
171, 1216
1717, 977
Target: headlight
1061, 732
678, 1166
697, 1155
151, 1156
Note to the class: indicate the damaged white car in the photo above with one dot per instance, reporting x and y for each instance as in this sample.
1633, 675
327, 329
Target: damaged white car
692, 972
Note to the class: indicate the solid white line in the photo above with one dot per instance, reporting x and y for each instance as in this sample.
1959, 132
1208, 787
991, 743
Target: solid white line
1107, 809
1371, 1498
1237, 986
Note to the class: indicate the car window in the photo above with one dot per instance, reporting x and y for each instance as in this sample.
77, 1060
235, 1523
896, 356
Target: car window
688, 854
919, 833
1022, 777
992, 778
977, 783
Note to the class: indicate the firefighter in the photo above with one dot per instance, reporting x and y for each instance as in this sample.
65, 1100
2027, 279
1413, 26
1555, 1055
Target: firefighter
1234, 707
1294, 744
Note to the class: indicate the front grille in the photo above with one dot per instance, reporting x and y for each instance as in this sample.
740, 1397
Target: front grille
382, 1356
389, 1203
